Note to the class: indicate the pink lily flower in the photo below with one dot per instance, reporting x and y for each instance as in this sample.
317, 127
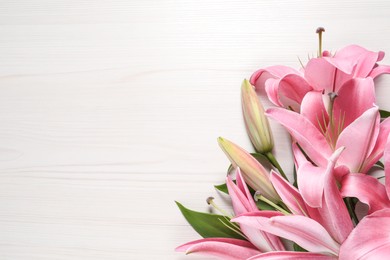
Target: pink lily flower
363, 138
226, 248
320, 230
286, 87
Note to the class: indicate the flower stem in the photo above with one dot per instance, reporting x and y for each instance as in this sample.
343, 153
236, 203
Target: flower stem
351, 209
271, 158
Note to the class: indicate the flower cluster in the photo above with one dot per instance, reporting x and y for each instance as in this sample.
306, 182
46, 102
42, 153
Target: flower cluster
338, 137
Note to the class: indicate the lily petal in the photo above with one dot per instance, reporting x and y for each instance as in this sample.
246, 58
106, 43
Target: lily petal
291, 256
289, 194
306, 232
260, 76
387, 166
370, 239
379, 70
224, 248
242, 203
377, 152
312, 107
306, 134
361, 93
335, 215
367, 189
359, 139
311, 184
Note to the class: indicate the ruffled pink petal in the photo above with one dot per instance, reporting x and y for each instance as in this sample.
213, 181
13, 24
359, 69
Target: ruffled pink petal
289, 194
359, 139
354, 98
306, 232
367, 189
312, 107
370, 239
293, 87
377, 152
362, 59
292, 256
223, 248
260, 76
306, 134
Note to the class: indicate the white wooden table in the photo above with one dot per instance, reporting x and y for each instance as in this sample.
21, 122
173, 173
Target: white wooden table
110, 110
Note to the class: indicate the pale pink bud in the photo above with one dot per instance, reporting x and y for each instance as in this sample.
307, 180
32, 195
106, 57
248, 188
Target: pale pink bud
256, 122
255, 175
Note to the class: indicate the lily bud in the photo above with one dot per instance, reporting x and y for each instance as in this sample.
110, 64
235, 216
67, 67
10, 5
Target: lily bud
255, 175
255, 120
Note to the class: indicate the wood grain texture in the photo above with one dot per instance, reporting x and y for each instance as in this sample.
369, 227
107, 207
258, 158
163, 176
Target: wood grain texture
110, 111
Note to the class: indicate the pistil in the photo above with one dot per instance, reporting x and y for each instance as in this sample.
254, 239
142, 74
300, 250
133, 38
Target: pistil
319, 31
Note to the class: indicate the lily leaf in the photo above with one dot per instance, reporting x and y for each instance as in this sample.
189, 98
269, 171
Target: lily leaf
384, 114
210, 225
298, 248
222, 187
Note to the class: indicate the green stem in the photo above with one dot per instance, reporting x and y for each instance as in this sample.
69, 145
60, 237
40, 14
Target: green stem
271, 158
351, 209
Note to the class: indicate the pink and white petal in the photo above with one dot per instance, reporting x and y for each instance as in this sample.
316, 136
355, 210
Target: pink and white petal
387, 166
359, 139
367, 189
243, 202
259, 77
304, 132
306, 232
223, 248
377, 152
379, 70
240, 202
336, 218
312, 107
370, 239
287, 255
240, 182
289, 194
311, 184
361, 93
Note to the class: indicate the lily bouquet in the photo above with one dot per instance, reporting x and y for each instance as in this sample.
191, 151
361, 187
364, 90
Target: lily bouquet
339, 136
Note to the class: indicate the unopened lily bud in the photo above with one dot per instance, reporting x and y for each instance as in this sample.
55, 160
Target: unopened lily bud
255, 175
256, 122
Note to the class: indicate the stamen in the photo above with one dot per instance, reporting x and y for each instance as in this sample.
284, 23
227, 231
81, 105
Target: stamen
210, 201
258, 196
319, 31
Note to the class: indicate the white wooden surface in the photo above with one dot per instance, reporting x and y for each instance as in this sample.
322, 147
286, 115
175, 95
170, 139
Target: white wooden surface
110, 110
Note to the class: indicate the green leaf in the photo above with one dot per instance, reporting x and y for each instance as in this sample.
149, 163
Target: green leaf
222, 187
264, 206
210, 225
384, 114
380, 165
298, 248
